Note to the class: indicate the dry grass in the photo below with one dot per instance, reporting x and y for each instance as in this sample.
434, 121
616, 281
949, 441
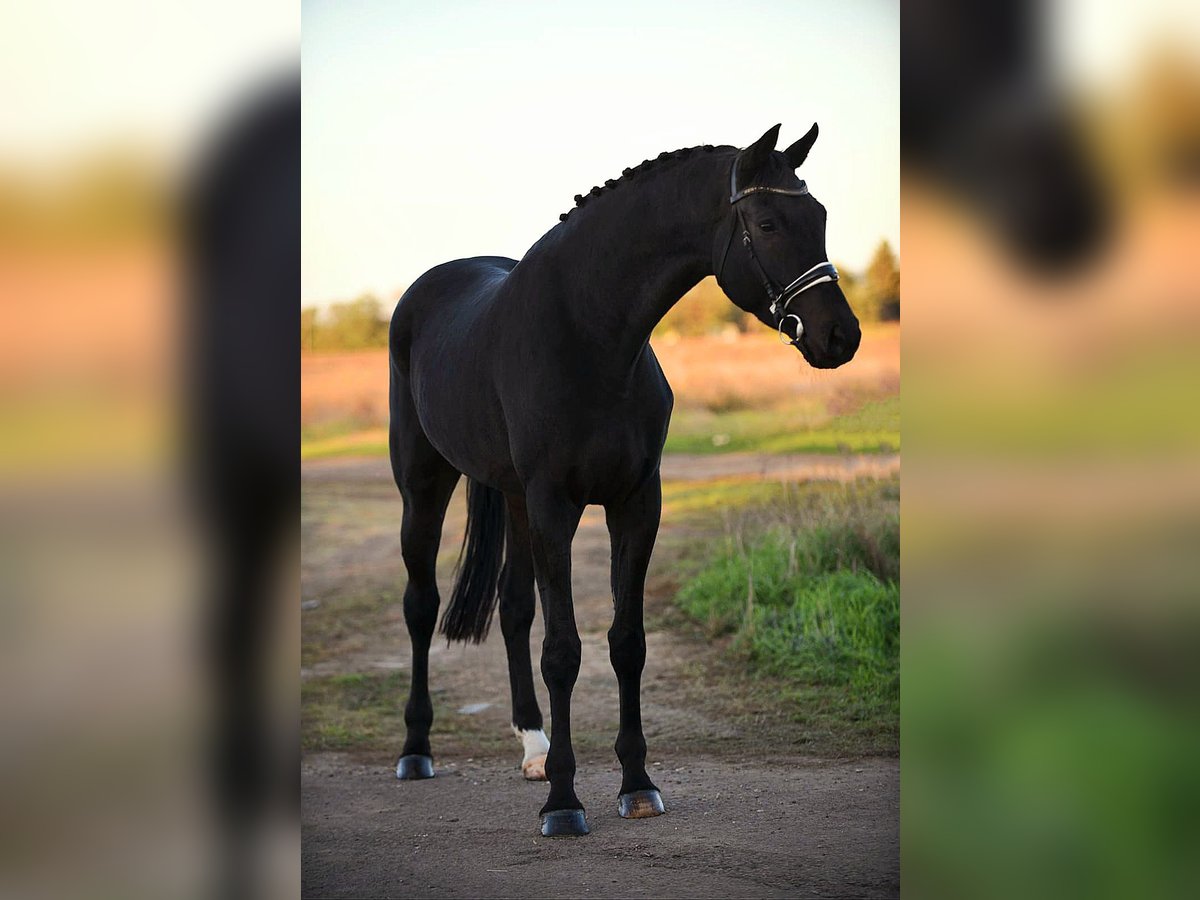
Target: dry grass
347, 391
349, 388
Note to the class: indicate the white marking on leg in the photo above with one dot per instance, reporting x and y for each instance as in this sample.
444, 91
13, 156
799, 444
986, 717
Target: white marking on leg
533, 766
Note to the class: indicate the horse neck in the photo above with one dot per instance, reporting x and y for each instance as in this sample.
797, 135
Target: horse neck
628, 256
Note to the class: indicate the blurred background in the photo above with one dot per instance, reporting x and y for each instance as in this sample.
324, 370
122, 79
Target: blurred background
1051, 214
1051, 488
114, 754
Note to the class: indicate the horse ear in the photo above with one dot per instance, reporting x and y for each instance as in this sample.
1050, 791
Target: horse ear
750, 160
798, 152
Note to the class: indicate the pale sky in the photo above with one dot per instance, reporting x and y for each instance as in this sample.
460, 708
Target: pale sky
434, 131
81, 76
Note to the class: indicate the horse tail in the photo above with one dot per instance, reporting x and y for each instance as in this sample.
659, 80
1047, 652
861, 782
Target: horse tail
473, 601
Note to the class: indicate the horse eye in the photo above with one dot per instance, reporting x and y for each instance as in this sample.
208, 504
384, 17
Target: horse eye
767, 225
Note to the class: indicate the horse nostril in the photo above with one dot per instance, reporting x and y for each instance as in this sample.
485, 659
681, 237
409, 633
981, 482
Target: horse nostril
837, 340
842, 341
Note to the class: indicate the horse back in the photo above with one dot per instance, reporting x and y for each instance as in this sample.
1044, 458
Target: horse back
447, 300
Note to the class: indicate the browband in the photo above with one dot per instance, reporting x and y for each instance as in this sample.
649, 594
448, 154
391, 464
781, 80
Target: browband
735, 195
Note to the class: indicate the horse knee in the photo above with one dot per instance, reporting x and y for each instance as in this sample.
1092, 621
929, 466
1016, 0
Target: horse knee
627, 649
420, 612
561, 657
516, 613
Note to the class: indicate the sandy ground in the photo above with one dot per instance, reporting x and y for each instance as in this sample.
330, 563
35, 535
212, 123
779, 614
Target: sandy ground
749, 813
792, 828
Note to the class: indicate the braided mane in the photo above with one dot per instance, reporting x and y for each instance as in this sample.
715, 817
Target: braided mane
644, 166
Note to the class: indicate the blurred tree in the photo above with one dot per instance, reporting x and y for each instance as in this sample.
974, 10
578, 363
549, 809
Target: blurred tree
355, 325
1163, 116
880, 297
852, 286
703, 310
308, 328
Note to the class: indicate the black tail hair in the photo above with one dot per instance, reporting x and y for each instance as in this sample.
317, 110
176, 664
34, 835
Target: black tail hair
473, 601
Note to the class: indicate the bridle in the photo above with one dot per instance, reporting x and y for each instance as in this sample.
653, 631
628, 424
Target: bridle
821, 273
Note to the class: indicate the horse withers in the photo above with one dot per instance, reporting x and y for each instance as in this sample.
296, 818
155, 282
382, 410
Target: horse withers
536, 380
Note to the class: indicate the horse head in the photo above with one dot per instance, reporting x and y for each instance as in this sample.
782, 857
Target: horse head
769, 253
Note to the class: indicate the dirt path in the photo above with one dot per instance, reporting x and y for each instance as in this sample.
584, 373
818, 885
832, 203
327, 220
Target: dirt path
749, 814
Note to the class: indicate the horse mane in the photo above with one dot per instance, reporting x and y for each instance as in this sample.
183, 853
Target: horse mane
644, 166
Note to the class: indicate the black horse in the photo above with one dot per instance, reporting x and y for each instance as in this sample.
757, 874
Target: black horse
536, 380
981, 115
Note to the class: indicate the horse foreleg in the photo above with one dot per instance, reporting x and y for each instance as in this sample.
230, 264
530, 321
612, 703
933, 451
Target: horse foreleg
633, 527
552, 524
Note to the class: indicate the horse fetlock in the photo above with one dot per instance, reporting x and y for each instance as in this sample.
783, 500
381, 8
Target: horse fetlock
631, 749
533, 765
534, 769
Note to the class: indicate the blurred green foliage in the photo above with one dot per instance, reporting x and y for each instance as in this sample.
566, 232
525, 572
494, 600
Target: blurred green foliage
1051, 758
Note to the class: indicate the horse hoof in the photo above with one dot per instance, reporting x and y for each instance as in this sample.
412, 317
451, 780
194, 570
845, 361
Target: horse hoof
564, 823
414, 766
640, 805
534, 769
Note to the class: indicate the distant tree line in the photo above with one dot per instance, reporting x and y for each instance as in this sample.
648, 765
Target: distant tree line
874, 296
354, 325
363, 323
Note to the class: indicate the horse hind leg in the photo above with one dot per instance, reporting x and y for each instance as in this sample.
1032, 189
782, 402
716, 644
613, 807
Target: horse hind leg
517, 606
426, 483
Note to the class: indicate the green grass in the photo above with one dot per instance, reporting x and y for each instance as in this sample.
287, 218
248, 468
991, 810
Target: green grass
363, 712
874, 428
331, 441
691, 499
352, 712
805, 586
1121, 403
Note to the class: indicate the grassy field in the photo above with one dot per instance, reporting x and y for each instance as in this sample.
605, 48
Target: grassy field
802, 588
732, 393
872, 428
